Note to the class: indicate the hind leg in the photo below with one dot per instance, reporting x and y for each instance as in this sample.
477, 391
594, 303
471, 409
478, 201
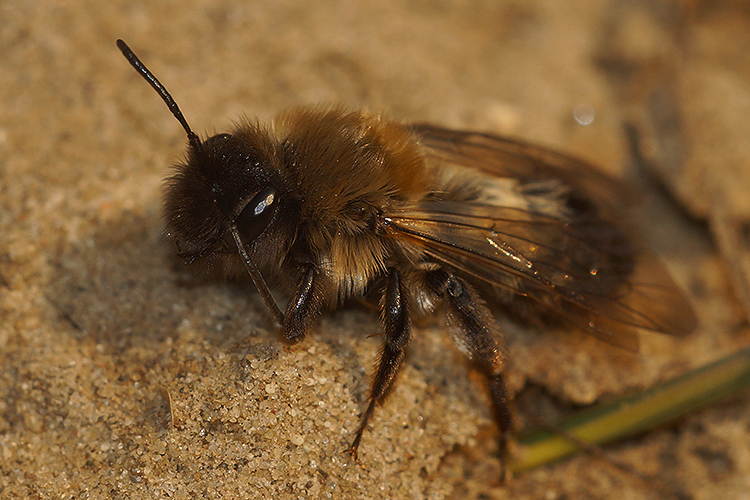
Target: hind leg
477, 336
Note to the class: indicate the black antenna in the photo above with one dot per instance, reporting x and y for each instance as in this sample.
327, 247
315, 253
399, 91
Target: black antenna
195, 142
197, 146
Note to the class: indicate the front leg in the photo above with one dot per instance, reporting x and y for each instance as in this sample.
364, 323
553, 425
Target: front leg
304, 306
396, 322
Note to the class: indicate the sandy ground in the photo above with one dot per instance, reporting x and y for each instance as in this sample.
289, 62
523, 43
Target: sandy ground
123, 376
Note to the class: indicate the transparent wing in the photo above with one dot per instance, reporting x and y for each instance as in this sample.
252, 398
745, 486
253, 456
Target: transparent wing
504, 157
583, 267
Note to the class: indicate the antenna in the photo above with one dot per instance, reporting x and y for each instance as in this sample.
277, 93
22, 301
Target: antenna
195, 142
197, 146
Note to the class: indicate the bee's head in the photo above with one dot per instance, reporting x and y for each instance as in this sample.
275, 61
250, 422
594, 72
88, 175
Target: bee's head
229, 183
224, 202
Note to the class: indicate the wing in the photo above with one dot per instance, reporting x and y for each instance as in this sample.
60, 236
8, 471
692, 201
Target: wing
504, 157
576, 262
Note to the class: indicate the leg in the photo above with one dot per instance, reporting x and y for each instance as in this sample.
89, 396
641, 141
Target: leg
478, 338
397, 325
304, 306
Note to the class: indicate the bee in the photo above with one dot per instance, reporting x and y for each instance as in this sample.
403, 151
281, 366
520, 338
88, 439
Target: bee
331, 204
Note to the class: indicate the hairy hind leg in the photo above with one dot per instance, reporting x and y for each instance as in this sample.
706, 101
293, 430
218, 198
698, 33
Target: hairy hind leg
478, 337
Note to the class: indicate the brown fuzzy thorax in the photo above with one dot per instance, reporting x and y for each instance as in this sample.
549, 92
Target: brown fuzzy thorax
348, 168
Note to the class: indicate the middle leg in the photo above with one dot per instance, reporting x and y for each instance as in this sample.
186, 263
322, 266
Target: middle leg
396, 322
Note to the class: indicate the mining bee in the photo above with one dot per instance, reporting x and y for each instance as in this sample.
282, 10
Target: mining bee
330, 204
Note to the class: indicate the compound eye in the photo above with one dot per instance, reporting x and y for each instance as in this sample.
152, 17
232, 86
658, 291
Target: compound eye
257, 214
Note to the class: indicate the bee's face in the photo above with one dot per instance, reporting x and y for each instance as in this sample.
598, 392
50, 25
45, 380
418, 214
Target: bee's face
231, 182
